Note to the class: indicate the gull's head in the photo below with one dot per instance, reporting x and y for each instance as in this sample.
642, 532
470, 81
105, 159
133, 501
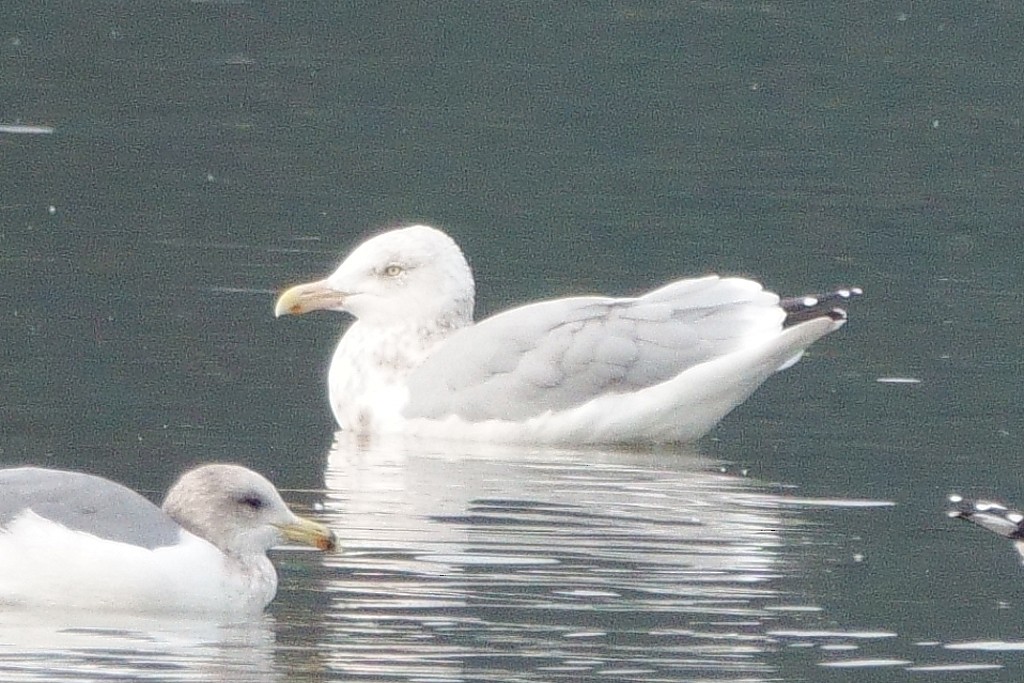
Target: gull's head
239, 511
401, 275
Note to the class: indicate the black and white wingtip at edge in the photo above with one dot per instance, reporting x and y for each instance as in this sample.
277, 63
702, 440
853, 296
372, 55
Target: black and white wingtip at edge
831, 304
990, 515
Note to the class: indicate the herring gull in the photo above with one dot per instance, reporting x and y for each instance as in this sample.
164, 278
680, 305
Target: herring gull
990, 515
70, 540
662, 367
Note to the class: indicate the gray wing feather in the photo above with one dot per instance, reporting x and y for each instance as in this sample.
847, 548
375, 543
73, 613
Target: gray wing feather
558, 354
88, 503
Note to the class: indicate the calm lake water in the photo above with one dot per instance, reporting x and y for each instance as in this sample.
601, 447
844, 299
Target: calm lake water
166, 168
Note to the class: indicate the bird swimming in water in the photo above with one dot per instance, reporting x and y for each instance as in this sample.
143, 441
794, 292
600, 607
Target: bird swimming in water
662, 367
70, 540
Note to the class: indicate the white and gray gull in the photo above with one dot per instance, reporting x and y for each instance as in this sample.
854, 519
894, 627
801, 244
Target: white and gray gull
662, 367
70, 540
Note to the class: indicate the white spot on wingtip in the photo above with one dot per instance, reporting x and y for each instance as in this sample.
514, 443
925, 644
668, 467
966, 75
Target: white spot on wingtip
956, 498
809, 301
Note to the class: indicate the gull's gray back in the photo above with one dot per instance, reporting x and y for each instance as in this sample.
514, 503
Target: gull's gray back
84, 502
558, 354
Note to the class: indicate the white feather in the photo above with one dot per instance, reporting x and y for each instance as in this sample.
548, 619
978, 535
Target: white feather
46, 565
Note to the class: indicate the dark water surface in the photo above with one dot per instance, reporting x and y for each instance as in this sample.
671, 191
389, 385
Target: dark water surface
167, 167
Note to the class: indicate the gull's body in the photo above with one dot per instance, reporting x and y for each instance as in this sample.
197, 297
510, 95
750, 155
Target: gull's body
665, 366
74, 541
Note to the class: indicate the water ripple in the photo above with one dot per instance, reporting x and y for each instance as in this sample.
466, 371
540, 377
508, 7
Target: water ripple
549, 565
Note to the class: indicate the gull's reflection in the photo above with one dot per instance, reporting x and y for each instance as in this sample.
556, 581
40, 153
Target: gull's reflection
465, 559
41, 646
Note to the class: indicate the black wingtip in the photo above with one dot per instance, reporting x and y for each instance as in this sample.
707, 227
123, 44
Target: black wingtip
830, 304
988, 514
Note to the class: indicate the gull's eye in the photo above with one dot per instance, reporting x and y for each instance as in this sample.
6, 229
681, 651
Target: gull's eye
394, 270
253, 502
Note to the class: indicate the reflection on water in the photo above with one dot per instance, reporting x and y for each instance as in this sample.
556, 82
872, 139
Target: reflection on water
484, 563
540, 565
88, 647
